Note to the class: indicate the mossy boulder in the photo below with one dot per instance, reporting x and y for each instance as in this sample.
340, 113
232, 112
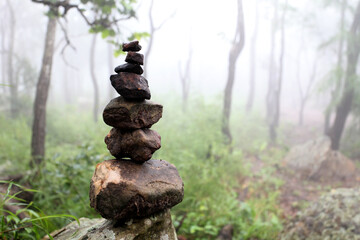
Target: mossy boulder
158, 226
335, 216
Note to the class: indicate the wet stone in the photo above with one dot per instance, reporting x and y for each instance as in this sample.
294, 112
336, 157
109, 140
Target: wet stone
131, 46
129, 67
126, 115
123, 190
131, 85
138, 145
133, 57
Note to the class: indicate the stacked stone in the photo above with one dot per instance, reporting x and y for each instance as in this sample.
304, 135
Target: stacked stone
133, 185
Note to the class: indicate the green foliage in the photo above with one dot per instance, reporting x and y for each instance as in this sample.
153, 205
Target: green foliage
35, 223
65, 181
15, 142
192, 141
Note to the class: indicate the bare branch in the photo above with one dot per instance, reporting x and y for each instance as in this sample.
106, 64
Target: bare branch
165, 20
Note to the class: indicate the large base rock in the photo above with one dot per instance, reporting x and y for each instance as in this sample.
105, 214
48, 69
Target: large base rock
335, 216
157, 227
315, 160
124, 190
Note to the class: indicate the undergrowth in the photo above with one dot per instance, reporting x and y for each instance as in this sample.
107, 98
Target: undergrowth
192, 141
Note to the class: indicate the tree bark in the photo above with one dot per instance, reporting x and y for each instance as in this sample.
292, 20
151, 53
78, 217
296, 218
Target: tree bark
237, 46
185, 81
250, 100
270, 97
152, 31
3, 59
42, 90
272, 72
93, 78
304, 96
10, 63
344, 107
111, 68
339, 80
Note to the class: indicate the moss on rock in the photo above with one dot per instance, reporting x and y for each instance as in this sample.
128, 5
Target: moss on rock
335, 216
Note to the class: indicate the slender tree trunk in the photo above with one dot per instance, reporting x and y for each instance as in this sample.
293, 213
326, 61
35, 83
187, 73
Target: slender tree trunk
270, 97
42, 90
237, 46
344, 107
10, 63
93, 78
339, 80
250, 100
304, 96
3, 59
185, 81
152, 31
111, 68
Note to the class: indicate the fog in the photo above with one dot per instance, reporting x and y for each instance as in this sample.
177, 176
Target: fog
206, 27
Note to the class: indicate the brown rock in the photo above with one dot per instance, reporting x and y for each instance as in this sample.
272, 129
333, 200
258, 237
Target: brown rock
131, 46
129, 67
133, 57
138, 145
317, 161
131, 85
127, 115
124, 190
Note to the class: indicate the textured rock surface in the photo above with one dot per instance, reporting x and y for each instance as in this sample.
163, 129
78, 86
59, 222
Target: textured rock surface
157, 227
315, 160
133, 57
124, 190
131, 46
131, 85
123, 114
334, 216
129, 67
138, 145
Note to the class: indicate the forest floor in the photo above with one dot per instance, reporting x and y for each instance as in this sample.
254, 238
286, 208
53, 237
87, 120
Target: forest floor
295, 193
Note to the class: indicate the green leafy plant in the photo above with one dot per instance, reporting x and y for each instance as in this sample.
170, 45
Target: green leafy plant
35, 223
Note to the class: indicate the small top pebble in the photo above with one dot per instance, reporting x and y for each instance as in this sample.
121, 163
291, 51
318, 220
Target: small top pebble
131, 46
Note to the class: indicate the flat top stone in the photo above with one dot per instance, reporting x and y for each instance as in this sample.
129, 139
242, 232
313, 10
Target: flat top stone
131, 46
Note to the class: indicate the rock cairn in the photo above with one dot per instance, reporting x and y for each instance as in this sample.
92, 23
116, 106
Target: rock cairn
133, 185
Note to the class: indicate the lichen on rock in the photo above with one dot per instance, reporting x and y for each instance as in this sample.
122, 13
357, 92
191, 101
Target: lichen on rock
158, 226
335, 216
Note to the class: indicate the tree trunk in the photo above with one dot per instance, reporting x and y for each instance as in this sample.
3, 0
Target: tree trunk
344, 106
272, 73
304, 96
339, 80
93, 78
10, 62
3, 59
111, 68
152, 31
185, 81
42, 90
270, 97
250, 100
237, 46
